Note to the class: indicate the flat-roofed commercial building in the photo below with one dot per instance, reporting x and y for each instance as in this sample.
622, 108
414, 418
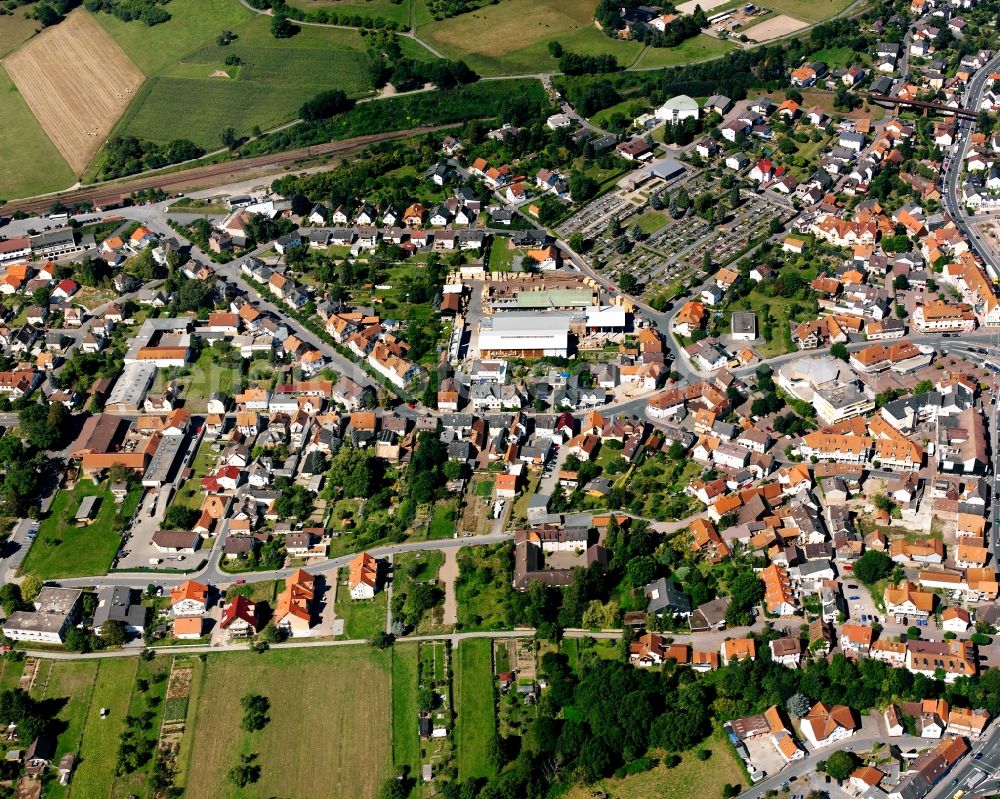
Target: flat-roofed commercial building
525, 335
131, 387
56, 610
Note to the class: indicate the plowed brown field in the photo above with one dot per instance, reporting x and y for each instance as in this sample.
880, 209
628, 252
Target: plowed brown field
77, 82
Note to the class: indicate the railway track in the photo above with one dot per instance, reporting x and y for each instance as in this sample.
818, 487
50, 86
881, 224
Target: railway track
201, 176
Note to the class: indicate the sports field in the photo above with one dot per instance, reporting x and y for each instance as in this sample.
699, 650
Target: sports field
29, 162
273, 79
77, 82
330, 728
476, 720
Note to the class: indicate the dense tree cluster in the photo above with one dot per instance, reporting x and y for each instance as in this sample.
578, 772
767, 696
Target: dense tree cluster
517, 102
582, 64
295, 501
30, 715
150, 12
126, 155
388, 64
324, 105
50, 12
327, 15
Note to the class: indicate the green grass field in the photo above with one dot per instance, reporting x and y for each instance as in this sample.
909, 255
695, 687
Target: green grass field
72, 684
405, 742
693, 777
330, 732
29, 162
834, 56
16, 28
476, 722
700, 48
808, 10
95, 773
442, 523
192, 24
512, 38
649, 223
10, 673
501, 257
208, 374
270, 85
155, 672
62, 549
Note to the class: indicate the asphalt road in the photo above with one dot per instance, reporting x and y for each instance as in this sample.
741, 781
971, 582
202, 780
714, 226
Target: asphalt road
971, 100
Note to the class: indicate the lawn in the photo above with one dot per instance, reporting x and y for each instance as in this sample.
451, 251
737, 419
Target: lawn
780, 310
425, 566
501, 257
835, 56
29, 162
650, 222
209, 373
62, 549
442, 524
631, 108
98, 750
364, 617
405, 741
10, 673
155, 673
329, 734
273, 81
189, 495
474, 705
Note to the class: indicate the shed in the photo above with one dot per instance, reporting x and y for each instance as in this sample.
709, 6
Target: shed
88, 509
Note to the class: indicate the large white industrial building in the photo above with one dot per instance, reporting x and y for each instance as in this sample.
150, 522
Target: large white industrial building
526, 335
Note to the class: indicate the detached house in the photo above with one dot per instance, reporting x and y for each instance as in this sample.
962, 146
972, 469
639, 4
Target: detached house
363, 576
828, 724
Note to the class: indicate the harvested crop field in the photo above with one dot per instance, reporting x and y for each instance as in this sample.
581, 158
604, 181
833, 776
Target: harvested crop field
775, 28
77, 82
315, 745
